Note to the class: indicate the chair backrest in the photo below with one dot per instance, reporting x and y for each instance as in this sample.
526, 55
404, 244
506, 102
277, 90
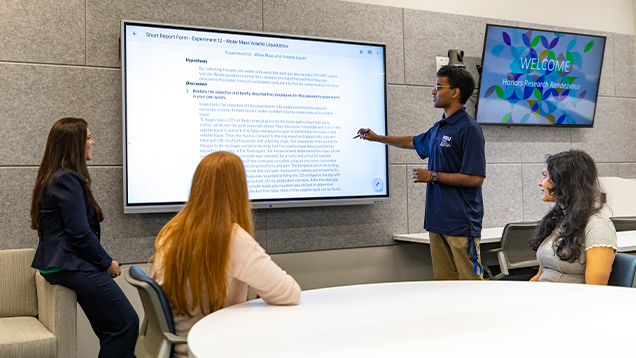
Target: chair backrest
18, 295
624, 223
158, 316
515, 246
623, 270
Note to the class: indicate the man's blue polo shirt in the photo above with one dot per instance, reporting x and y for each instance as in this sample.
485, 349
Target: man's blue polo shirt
453, 145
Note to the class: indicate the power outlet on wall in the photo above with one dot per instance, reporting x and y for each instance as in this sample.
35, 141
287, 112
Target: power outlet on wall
439, 62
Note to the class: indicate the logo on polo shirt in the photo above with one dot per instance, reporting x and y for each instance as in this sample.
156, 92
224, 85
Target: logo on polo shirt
445, 141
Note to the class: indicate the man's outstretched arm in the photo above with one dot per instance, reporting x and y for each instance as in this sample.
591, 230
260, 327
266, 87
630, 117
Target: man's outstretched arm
399, 142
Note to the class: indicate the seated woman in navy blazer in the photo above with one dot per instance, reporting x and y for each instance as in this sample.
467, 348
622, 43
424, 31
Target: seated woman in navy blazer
69, 253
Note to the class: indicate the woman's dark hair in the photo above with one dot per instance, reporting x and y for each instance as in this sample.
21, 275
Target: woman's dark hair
65, 149
459, 78
577, 192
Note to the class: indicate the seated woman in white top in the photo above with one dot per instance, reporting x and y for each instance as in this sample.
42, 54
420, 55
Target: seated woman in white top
576, 240
206, 256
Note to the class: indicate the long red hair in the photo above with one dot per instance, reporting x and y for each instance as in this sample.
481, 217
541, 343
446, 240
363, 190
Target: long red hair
195, 243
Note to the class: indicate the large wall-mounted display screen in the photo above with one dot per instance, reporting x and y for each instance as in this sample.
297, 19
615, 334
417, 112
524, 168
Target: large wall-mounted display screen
288, 106
539, 77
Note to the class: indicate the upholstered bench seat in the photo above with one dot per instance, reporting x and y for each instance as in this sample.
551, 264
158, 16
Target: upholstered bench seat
37, 319
25, 337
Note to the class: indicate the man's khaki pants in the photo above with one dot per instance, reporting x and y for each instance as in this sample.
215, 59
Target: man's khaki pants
450, 258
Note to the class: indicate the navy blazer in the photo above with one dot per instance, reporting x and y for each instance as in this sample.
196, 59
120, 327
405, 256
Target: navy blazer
69, 228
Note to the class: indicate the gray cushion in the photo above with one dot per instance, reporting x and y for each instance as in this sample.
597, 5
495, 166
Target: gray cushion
25, 337
17, 283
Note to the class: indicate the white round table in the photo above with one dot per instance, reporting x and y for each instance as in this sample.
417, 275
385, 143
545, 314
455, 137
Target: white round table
428, 319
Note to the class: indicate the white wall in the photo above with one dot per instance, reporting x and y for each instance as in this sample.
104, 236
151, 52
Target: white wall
634, 15
609, 15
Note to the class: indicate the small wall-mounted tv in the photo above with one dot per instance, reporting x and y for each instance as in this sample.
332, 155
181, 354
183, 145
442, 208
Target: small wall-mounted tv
288, 106
539, 77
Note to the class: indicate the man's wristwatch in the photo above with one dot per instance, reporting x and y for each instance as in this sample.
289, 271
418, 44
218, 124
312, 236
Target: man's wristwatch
434, 178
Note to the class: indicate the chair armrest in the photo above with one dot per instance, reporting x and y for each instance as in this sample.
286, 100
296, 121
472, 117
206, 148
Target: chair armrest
502, 263
491, 251
57, 310
174, 339
524, 264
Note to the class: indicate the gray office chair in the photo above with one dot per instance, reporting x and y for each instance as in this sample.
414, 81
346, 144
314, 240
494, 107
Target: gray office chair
515, 251
624, 223
623, 271
156, 336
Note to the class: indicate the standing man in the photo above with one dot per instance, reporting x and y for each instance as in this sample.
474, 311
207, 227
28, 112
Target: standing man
456, 170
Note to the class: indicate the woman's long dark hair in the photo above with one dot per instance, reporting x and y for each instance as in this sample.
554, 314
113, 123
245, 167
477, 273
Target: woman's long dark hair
577, 193
65, 149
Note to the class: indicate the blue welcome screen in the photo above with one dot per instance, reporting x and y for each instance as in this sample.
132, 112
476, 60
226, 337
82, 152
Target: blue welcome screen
533, 77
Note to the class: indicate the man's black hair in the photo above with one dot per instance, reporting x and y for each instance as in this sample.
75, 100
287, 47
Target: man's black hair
459, 78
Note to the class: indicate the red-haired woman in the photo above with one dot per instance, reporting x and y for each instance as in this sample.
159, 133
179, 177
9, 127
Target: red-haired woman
206, 255
69, 253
